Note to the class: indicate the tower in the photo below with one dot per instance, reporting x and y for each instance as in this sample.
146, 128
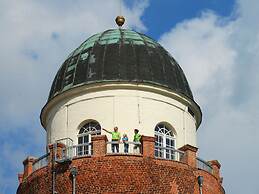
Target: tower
125, 79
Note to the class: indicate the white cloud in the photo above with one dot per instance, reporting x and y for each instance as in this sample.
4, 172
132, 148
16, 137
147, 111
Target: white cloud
36, 36
202, 48
35, 39
220, 58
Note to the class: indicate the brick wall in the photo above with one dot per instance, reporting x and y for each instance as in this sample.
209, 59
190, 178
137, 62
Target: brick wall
121, 174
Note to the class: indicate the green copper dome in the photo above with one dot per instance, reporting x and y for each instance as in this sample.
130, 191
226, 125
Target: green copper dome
120, 55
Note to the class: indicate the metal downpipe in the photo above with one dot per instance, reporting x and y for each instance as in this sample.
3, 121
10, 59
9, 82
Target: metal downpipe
200, 182
74, 173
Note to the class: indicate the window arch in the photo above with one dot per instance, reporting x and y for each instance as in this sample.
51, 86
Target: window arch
165, 141
89, 129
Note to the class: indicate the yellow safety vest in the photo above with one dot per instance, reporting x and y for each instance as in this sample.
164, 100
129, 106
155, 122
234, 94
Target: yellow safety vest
116, 135
137, 137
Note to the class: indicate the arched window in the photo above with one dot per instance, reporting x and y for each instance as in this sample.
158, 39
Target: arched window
84, 137
164, 142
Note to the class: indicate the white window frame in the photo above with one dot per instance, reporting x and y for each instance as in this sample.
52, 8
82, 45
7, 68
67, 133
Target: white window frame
84, 148
166, 133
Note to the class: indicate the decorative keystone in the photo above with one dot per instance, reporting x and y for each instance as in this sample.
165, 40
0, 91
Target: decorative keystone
189, 155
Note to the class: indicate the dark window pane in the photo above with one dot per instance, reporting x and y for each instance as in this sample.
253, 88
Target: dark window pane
80, 140
168, 142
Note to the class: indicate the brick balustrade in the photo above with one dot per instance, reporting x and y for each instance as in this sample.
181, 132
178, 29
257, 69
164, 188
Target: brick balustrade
99, 143
189, 155
57, 152
100, 167
28, 166
216, 169
148, 146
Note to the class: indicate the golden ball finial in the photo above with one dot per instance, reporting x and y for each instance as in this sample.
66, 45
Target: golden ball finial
120, 20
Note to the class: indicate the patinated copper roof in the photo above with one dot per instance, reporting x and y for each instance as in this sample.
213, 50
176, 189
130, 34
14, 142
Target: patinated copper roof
120, 55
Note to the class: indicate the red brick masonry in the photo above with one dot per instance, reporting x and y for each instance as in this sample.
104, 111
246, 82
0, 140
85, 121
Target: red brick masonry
122, 174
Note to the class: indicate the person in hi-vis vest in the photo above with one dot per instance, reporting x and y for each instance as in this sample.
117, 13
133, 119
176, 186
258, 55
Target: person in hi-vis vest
116, 136
136, 141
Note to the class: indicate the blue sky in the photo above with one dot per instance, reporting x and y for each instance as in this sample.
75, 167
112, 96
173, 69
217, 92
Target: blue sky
216, 42
177, 10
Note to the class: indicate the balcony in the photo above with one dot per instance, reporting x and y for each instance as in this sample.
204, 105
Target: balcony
97, 160
40, 162
64, 151
168, 153
203, 165
123, 148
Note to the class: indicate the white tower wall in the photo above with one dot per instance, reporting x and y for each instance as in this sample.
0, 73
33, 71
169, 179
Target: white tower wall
127, 106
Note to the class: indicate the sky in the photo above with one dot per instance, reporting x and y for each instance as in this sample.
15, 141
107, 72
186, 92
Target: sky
216, 42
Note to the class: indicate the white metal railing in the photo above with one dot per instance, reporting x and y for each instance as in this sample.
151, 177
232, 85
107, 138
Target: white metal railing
201, 164
70, 152
40, 162
168, 153
66, 141
114, 147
